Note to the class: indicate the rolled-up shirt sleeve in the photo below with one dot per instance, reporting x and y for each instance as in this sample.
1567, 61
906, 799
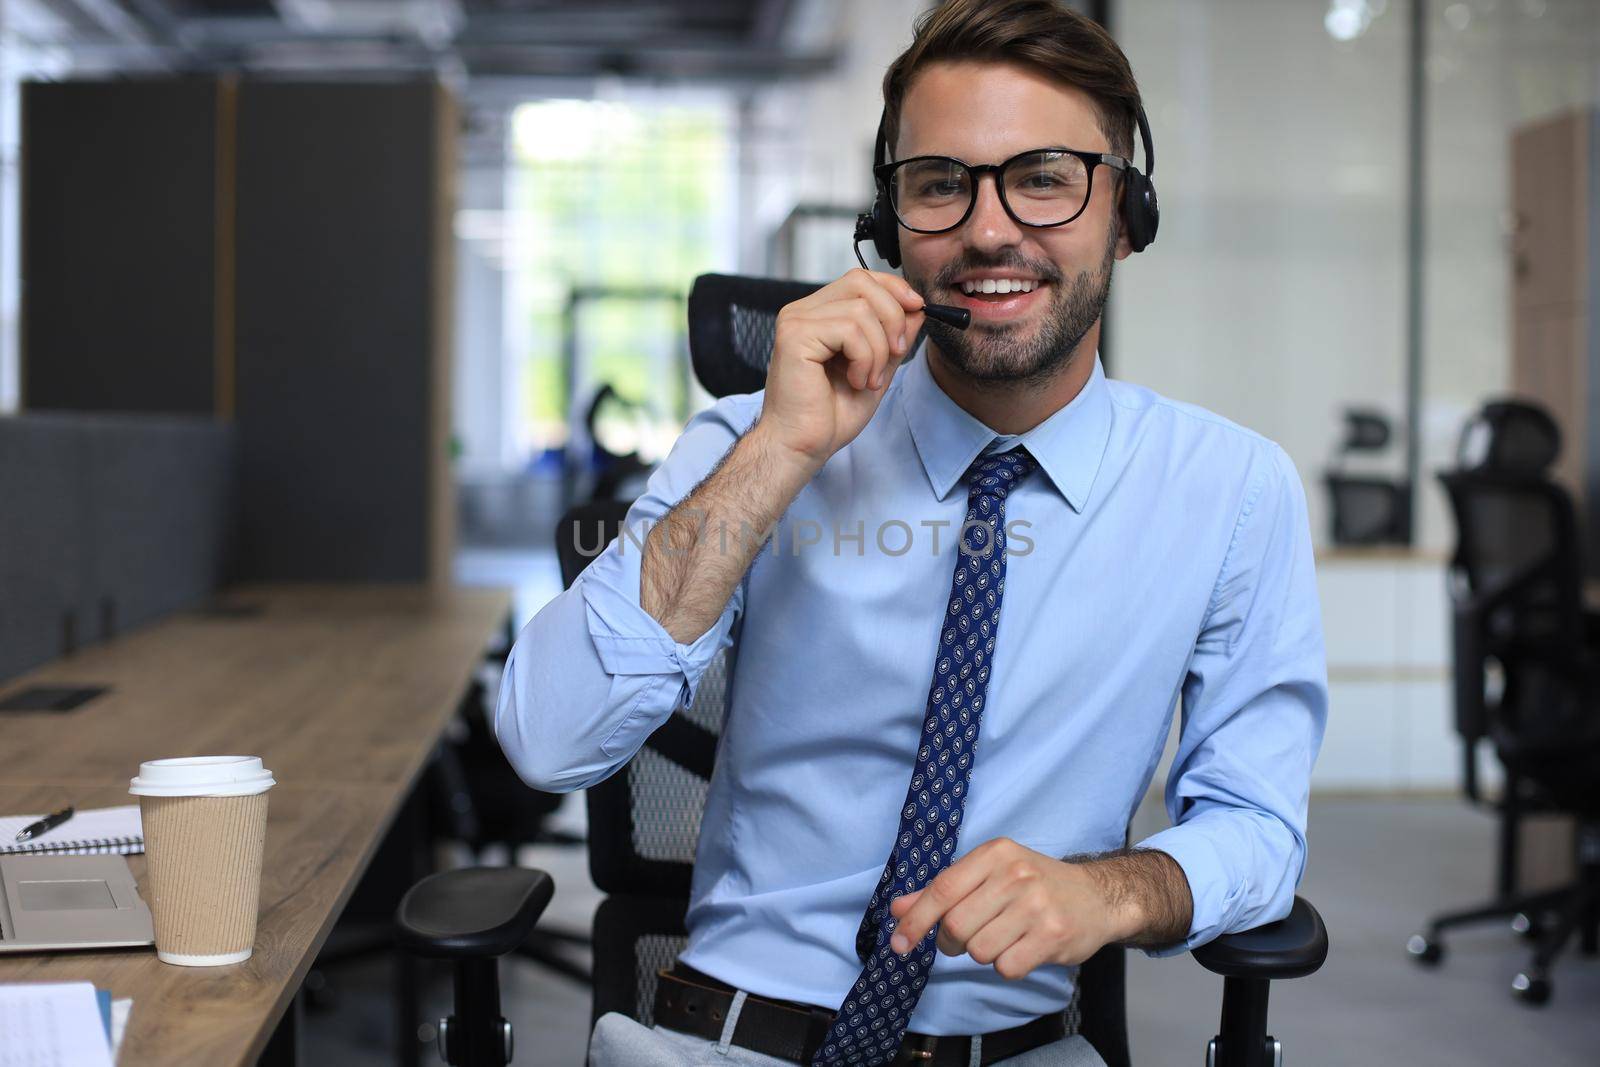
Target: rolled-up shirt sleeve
1255, 703
593, 674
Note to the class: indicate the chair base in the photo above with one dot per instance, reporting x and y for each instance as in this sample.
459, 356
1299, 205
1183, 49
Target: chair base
477, 1035
1549, 919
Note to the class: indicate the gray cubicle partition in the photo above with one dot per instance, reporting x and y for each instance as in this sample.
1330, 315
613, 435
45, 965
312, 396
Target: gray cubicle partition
107, 522
274, 252
120, 198
343, 326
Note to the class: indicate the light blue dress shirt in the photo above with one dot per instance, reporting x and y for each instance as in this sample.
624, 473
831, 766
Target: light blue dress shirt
1170, 558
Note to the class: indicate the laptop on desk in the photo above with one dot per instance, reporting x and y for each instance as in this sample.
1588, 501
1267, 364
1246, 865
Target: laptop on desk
68, 902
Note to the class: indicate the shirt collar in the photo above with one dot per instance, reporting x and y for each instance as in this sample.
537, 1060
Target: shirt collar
1069, 445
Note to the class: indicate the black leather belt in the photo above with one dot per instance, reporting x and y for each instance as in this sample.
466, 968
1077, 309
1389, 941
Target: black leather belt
696, 1003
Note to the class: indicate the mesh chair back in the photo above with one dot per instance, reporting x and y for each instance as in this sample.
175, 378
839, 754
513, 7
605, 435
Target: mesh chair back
1517, 576
644, 821
1369, 511
1516, 572
732, 321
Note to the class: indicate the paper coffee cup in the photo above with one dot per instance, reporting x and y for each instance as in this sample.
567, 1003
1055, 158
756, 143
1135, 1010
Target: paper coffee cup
205, 821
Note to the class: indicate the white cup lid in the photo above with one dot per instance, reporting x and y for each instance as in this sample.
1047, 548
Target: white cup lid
202, 776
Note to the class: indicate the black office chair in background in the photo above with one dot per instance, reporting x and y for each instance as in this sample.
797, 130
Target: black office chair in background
644, 820
617, 472
1370, 508
1526, 673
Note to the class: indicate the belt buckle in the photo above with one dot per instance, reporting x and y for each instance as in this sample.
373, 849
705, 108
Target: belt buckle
917, 1048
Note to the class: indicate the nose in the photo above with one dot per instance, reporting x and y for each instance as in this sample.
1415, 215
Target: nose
991, 227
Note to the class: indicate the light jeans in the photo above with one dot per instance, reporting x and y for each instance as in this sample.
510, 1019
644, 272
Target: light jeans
620, 1041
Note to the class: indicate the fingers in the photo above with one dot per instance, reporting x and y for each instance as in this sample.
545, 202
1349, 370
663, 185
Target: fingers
901, 289
1023, 957
982, 921
985, 938
862, 345
848, 328
891, 313
899, 310
952, 885
879, 336
855, 281
902, 310
1001, 907
884, 310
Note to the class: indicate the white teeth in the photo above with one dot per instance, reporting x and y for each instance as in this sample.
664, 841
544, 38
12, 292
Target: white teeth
999, 285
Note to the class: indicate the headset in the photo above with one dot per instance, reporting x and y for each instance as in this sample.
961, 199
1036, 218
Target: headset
1140, 211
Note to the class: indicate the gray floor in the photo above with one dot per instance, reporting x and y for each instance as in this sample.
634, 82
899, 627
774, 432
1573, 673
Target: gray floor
1377, 868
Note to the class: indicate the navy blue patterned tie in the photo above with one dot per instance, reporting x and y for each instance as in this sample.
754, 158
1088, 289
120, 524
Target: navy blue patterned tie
872, 1022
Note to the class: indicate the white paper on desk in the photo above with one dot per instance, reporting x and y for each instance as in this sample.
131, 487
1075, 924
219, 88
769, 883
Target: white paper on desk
119, 1023
51, 1024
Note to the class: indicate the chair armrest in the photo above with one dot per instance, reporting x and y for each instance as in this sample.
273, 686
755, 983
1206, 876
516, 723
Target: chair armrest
1292, 947
472, 912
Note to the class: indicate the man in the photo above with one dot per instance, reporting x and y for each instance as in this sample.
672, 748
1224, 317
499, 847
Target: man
866, 518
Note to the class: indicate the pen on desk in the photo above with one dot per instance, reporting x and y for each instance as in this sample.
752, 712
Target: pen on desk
44, 825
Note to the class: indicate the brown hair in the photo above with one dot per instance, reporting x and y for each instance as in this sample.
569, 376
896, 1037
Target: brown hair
1044, 34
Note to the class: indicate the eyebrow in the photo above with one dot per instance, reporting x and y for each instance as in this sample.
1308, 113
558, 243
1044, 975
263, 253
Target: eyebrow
1054, 147
1057, 143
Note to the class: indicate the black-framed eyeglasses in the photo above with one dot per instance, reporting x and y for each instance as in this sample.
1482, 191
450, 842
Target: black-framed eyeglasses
1040, 187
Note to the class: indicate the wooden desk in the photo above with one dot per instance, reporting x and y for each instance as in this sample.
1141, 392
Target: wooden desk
342, 691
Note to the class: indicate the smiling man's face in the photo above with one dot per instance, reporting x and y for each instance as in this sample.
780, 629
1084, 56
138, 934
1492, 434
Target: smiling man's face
985, 112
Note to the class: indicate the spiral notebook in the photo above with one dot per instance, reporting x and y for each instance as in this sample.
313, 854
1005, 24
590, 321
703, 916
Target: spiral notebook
94, 831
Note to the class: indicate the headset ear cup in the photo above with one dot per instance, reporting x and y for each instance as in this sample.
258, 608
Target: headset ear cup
1151, 209
885, 230
1141, 213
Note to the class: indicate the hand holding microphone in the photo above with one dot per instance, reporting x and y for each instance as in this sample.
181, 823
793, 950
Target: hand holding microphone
960, 318
833, 357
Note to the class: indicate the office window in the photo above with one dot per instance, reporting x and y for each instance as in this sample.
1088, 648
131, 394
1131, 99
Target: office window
1492, 71
1275, 291
614, 207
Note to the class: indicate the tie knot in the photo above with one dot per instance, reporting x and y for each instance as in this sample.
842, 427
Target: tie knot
996, 474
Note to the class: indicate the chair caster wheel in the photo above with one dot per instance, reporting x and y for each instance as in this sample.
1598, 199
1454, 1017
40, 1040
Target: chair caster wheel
1531, 990
1428, 953
1526, 927
318, 992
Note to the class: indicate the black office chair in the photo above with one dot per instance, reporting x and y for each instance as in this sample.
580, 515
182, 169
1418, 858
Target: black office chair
491, 807
1526, 672
469, 794
616, 472
472, 916
644, 820
1366, 509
